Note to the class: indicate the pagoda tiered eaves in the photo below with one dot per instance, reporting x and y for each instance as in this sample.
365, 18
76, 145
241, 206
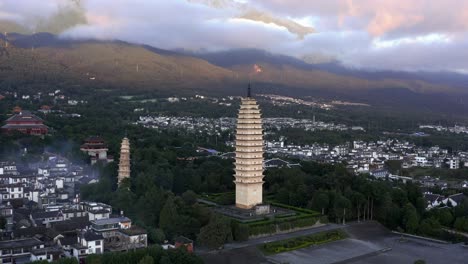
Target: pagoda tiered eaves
124, 163
249, 155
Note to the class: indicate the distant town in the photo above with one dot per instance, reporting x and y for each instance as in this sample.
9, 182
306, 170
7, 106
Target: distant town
218, 125
359, 156
455, 129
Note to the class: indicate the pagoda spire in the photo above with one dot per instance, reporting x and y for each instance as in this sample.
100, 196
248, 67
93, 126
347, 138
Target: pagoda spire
249, 91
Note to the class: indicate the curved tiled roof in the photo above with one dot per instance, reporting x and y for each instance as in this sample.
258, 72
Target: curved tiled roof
24, 116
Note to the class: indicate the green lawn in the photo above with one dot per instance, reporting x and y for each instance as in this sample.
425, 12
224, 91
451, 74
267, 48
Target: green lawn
227, 198
302, 242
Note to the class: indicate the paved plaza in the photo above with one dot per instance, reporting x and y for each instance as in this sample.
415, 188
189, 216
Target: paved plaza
367, 243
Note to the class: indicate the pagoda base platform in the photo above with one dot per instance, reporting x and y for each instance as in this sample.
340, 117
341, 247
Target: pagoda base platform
258, 212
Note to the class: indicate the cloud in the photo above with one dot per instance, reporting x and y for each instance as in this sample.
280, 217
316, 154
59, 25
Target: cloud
52, 16
380, 17
179, 24
249, 12
436, 53
293, 27
65, 18
389, 34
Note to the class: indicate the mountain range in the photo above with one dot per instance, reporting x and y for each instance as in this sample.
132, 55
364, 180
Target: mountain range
43, 58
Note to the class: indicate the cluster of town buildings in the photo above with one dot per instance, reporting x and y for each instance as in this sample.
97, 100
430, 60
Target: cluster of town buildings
56, 96
278, 100
281, 100
45, 218
364, 157
370, 157
455, 129
218, 125
285, 100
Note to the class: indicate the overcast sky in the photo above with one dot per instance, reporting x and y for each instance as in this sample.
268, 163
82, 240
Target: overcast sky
384, 34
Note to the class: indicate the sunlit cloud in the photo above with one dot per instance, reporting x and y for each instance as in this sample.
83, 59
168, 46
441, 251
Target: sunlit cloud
360, 33
423, 40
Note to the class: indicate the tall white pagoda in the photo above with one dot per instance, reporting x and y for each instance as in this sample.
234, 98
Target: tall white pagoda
249, 154
124, 163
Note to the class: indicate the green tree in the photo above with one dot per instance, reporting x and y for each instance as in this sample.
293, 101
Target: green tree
165, 260
429, 227
216, 233
385, 208
358, 201
410, 218
157, 235
240, 231
124, 200
342, 207
320, 201
459, 223
169, 218
394, 216
445, 217
67, 261
146, 260
3, 222
189, 197
420, 205
149, 206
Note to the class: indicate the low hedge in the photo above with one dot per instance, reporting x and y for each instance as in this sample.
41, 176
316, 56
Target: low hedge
241, 231
304, 218
302, 242
262, 229
301, 216
226, 198
298, 209
272, 226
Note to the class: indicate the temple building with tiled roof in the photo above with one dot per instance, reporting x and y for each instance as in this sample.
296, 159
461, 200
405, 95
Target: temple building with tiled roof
97, 149
25, 122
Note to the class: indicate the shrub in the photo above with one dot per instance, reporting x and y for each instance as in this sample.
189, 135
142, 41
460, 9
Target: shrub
240, 231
